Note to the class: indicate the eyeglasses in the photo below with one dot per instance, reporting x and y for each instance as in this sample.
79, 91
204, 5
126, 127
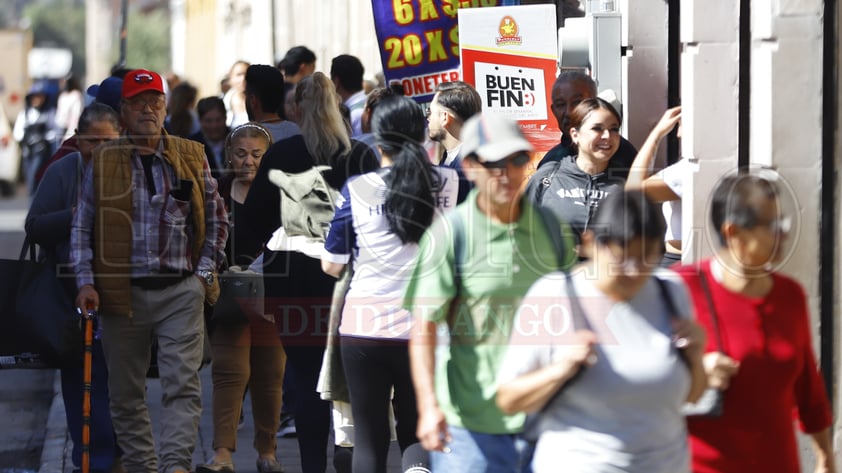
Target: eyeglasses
138, 104
781, 225
517, 160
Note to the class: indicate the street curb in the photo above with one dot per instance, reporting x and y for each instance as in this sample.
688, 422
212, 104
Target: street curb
55, 438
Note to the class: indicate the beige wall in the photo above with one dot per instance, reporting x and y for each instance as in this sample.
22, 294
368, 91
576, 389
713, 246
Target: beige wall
14, 49
200, 28
709, 97
645, 29
219, 32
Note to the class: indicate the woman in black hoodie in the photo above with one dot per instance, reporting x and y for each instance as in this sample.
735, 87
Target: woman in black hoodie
574, 187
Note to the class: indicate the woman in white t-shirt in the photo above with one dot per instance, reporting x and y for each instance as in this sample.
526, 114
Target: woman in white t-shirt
602, 354
665, 186
379, 220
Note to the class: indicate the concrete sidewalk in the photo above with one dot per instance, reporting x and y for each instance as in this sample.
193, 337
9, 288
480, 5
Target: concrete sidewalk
55, 456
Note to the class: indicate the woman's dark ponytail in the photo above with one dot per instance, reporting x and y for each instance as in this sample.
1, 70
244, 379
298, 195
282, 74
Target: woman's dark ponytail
411, 185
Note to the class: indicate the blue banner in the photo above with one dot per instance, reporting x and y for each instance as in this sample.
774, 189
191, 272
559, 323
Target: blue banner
419, 42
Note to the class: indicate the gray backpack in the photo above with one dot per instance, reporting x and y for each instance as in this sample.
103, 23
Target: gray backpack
307, 202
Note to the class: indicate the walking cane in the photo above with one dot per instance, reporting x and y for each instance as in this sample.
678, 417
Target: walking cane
88, 319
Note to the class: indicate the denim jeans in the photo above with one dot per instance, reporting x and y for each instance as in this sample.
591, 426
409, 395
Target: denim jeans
475, 452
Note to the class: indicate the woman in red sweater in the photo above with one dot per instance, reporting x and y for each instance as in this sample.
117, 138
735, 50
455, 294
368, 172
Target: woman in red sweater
759, 348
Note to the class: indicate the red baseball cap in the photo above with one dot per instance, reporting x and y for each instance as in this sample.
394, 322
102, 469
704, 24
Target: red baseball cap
141, 80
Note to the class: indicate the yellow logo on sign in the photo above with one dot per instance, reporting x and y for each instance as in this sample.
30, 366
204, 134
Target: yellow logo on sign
508, 30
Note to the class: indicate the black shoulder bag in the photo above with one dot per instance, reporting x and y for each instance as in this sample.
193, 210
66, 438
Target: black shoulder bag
711, 404
532, 425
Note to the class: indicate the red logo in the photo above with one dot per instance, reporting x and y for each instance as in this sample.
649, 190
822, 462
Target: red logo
143, 78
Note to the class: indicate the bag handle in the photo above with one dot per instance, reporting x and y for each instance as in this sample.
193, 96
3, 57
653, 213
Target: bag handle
459, 243
577, 313
665, 295
546, 182
712, 309
553, 227
27, 243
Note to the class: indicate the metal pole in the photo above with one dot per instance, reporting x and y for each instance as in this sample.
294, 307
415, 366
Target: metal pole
274, 34
124, 22
828, 291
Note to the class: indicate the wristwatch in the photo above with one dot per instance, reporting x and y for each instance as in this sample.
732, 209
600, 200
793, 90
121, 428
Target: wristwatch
207, 276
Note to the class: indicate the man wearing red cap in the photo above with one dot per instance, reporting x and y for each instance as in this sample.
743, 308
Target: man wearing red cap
148, 235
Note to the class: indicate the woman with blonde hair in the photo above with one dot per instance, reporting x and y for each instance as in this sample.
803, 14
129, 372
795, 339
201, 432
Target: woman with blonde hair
298, 293
235, 98
181, 117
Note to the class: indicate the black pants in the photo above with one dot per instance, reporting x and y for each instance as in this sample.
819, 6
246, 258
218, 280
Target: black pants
372, 367
298, 293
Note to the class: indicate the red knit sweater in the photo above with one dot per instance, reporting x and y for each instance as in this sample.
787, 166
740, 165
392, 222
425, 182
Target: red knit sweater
778, 380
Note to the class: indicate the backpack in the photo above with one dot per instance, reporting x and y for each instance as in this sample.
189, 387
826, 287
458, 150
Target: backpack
546, 182
307, 202
551, 224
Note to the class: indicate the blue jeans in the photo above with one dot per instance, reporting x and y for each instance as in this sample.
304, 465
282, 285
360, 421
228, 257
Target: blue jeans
475, 452
103, 445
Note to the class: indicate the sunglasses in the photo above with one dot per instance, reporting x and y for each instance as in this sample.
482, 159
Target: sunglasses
518, 160
782, 225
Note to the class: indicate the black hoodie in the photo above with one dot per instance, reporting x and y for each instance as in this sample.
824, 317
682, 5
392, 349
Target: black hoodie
570, 193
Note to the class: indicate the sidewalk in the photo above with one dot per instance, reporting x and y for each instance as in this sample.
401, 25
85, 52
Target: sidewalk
55, 457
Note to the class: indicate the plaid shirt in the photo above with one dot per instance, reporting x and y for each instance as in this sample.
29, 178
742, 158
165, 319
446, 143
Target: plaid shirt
161, 225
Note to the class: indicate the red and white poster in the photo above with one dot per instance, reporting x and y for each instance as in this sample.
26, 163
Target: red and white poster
510, 55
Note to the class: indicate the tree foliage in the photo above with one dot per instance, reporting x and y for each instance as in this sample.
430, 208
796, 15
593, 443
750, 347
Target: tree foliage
148, 41
59, 24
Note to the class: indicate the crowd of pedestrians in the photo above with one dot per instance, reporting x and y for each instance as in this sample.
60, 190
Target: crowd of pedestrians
488, 318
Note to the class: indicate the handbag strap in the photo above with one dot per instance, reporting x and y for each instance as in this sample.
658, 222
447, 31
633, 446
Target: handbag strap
460, 240
712, 309
671, 307
666, 297
27, 244
577, 313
